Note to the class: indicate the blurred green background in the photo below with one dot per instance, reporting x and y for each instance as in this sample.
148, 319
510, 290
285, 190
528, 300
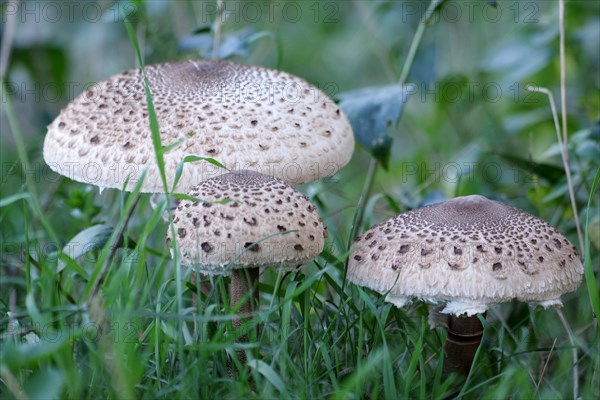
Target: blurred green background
468, 112
469, 126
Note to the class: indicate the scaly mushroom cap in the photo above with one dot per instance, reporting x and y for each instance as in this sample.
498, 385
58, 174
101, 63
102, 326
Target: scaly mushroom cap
266, 222
469, 252
246, 117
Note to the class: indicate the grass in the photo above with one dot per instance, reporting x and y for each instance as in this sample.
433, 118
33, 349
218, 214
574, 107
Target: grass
316, 340
119, 321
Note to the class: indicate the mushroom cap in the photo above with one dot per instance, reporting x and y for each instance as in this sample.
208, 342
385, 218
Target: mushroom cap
265, 222
246, 117
469, 252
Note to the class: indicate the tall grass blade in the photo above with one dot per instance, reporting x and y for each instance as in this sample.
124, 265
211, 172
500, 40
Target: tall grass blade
590, 277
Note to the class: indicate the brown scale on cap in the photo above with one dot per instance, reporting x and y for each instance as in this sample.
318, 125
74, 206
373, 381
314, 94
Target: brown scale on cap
250, 234
236, 113
476, 252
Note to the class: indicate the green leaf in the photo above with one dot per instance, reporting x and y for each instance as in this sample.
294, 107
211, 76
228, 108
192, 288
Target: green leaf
16, 356
307, 283
389, 387
47, 384
166, 149
90, 239
168, 330
115, 235
416, 354
556, 192
190, 159
373, 113
359, 376
265, 370
67, 262
15, 197
594, 230
327, 255
33, 310
274, 37
286, 311
236, 43
187, 197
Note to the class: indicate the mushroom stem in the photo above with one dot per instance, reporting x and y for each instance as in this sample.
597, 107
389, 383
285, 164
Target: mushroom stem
242, 282
464, 337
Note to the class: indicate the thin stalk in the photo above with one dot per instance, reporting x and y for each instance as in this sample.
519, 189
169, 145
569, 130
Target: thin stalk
12, 384
575, 370
563, 106
113, 249
416, 42
563, 69
217, 30
543, 371
243, 283
408, 64
7, 40
362, 201
565, 158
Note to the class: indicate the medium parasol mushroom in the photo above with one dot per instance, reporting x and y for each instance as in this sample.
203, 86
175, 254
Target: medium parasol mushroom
468, 252
246, 220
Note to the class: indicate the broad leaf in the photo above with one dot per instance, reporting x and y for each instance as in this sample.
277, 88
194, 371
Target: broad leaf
46, 384
191, 159
232, 44
89, 239
16, 356
373, 113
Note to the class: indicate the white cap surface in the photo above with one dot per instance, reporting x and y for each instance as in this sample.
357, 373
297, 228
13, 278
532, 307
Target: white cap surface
470, 252
246, 117
267, 222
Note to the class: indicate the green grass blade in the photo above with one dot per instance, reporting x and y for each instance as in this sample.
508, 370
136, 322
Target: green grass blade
190, 159
360, 375
154, 127
590, 277
102, 263
414, 361
265, 370
24, 159
15, 197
